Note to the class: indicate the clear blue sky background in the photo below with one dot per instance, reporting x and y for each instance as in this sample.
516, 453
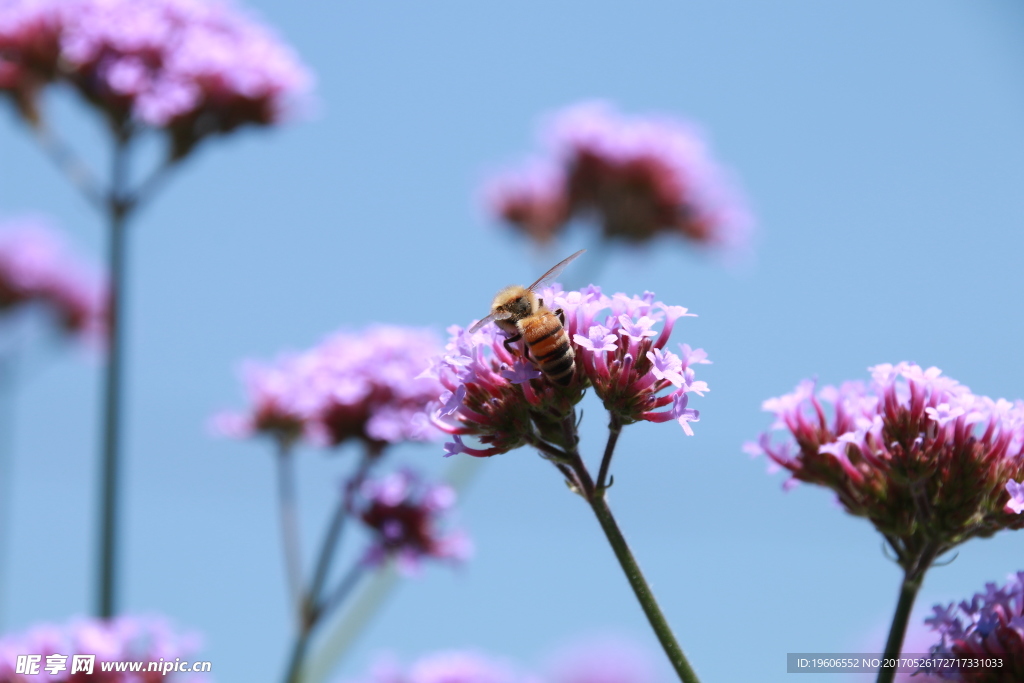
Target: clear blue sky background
881, 147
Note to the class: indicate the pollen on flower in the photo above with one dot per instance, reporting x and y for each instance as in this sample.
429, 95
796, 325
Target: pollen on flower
369, 386
926, 460
637, 177
507, 403
404, 513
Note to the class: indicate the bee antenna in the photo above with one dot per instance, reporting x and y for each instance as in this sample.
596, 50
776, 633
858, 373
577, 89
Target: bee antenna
579, 420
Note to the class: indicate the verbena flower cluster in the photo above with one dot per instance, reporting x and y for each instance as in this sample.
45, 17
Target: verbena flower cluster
365, 386
124, 638
35, 268
604, 661
638, 177
404, 515
991, 624
193, 68
506, 402
456, 666
917, 453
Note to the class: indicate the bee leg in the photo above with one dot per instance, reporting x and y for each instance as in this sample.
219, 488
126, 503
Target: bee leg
511, 340
561, 315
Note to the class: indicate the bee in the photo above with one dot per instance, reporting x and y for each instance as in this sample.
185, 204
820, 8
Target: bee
521, 314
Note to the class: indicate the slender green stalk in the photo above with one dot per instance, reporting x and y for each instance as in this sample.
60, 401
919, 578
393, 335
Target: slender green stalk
118, 209
288, 513
642, 590
595, 496
912, 580
614, 429
7, 389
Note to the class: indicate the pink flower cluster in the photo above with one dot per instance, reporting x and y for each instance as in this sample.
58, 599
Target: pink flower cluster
638, 177
362, 386
125, 638
914, 451
403, 513
506, 402
445, 667
990, 625
36, 268
191, 67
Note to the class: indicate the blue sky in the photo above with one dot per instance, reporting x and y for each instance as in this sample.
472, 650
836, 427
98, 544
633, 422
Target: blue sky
880, 146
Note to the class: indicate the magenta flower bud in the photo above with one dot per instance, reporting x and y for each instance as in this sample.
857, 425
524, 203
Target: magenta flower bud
637, 177
368, 386
928, 462
990, 625
404, 514
506, 402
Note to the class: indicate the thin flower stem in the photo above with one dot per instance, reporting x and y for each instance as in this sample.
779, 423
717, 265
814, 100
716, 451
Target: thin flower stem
8, 386
289, 515
118, 211
912, 580
296, 669
334, 532
614, 429
69, 163
598, 503
642, 590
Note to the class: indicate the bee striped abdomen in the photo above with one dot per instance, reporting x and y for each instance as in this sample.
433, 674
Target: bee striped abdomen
549, 346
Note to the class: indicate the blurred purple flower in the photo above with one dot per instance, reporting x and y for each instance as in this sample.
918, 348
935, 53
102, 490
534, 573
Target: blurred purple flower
617, 352
606, 660
454, 666
636, 176
927, 461
125, 638
403, 513
366, 386
36, 268
189, 67
990, 625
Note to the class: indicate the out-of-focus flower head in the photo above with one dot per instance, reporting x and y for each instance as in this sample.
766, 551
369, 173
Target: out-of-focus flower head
605, 660
506, 402
453, 666
364, 386
927, 461
124, 638
189, 67
404, 512
36, 268
637, 177
990, 625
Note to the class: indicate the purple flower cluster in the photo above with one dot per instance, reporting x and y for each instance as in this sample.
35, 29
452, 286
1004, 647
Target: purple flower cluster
505, 402
926, 460
403, 512
193, 68
453, 666
125, 638
637, 176
36, 268
364, 386
991, 624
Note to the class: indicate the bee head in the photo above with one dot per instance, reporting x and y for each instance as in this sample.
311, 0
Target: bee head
516, 303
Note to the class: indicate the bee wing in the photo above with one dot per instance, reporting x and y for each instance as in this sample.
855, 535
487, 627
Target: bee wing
554, 272
497, 315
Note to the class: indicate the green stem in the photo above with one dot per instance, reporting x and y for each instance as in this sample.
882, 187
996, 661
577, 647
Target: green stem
288, 512
118, 210
596, 497
894, 644
642, 590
